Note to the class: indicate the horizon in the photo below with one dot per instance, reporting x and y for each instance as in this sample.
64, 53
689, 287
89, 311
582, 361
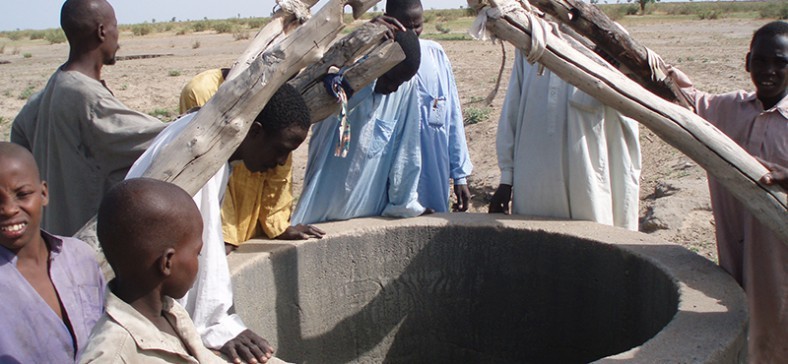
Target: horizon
45, 14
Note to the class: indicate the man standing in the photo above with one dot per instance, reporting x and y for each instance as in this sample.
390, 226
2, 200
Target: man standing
564, 154
82, 137
444, 151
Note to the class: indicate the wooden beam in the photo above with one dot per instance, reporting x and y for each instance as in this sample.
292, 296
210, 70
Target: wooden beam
595, 25
220, 126
367, 55
738, 171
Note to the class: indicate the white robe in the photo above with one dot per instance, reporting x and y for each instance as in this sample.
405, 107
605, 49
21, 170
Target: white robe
210, 300
566, 154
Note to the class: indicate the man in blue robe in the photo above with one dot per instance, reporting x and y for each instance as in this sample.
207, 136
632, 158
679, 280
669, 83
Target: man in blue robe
377, 172
444, 151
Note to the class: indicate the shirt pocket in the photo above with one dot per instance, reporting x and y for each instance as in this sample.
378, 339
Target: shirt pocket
436, 111
381, 135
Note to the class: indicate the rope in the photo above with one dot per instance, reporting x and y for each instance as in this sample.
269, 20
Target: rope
654, 62
337, 86
295, 7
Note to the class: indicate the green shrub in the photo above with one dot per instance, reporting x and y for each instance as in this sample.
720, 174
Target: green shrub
240, 35
428, 17
27, 92
200, 26
224, 27
37, 34
174, 73
775, 10
631, 9
257, 23
710, 15
474, 115
27, 55
442, 27
55, 36
17, 35
141, 29
196, 44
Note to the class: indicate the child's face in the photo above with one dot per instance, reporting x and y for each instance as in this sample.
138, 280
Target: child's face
269, 150
185, 262
767, 63
22, 197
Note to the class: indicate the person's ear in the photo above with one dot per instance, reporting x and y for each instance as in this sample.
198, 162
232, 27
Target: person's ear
101, 33
747, 62
44, 193
165, 262
256, 129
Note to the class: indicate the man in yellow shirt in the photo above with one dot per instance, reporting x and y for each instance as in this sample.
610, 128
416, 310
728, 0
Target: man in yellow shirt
255, 204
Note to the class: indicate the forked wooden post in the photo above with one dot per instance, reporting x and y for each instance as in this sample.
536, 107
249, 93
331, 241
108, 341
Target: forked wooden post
738, 171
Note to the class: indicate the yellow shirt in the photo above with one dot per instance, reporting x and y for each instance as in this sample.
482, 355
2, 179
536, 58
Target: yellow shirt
255, 203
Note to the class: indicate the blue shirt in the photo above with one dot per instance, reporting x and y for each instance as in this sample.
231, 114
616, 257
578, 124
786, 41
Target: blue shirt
444, 151
33, 333
379, 175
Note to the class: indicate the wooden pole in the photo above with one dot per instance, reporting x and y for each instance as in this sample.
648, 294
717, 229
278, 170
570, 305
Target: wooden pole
594, 24
738, 171
220, 126
366, 54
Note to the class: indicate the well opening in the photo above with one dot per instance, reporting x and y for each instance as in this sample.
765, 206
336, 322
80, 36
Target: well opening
456, 292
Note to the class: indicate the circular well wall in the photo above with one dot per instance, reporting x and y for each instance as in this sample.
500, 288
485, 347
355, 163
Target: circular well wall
486, 289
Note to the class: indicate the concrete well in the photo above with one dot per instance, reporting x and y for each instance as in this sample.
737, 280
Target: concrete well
485, 288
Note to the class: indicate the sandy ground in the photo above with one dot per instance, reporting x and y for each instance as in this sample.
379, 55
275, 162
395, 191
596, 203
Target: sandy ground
711, 52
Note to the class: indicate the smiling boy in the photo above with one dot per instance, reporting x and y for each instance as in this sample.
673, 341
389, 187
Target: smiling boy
749, 251
51, 288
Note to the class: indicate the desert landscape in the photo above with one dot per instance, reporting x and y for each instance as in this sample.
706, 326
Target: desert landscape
674, 196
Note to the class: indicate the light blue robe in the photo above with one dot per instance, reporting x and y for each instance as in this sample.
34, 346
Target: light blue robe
380, 174
444, 151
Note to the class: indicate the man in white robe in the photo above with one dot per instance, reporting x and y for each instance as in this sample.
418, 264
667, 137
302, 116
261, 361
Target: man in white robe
564, 154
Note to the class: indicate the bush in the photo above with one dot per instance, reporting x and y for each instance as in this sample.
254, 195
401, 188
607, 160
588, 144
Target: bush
141, 29
55, 36
37, 34
200, 26
196, 44
775, 10
428, 17
710, 15
27, 92
224, 27
442, 27
240, 35
631, 10
27, 55
174, 73
257, 23
474, 115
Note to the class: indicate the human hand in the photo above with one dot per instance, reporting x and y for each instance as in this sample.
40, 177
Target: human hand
248, 347
301, 232
463, 194
500, 200
678, 77
391, 23
778, 175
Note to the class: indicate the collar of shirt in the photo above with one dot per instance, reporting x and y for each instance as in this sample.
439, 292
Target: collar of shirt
146, 335
54, 244
781, 106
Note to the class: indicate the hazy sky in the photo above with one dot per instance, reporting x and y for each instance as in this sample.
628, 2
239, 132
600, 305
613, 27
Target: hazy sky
42, 14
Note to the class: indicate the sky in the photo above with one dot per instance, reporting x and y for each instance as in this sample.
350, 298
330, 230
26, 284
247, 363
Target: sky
44, 14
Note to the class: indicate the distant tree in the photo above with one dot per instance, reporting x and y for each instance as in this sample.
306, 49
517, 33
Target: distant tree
643, 3
153, 20
173, 19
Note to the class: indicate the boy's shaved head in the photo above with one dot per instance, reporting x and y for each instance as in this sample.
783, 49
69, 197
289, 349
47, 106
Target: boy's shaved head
18, 152
409, 12
140, 218
770, 30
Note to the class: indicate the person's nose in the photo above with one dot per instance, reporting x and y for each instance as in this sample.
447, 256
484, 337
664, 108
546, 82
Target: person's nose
8, 207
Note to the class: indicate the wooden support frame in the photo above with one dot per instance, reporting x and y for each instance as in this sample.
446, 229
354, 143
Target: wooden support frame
738, 171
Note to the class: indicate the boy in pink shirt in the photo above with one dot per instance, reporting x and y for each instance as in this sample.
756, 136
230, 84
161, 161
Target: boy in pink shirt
748, 250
